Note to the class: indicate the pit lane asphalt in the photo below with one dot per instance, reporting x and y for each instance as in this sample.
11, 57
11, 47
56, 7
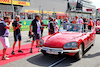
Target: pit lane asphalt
90, 59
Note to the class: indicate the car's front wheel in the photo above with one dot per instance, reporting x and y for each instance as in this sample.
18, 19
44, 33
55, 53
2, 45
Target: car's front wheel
79, 55
44, 52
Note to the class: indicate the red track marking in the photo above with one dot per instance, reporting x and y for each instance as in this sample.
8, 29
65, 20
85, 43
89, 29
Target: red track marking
25, 48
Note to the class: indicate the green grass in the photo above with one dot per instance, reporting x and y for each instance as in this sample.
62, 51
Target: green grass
24, 29
21, 30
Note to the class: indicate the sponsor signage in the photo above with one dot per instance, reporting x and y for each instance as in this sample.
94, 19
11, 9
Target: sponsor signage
16, 2
88, 9
29, 11
45, 12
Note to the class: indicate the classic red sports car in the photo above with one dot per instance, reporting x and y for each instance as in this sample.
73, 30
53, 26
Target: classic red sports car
70, 40
97, 28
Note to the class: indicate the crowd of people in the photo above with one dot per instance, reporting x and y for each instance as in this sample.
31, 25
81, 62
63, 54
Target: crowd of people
85, 21
36, 30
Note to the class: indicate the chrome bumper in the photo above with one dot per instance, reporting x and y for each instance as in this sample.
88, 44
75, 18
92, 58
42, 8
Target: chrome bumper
59, 50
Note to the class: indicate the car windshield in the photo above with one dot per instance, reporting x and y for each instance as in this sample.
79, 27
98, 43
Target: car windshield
71, 27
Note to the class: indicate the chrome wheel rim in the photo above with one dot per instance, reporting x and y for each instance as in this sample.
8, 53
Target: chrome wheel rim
80, 52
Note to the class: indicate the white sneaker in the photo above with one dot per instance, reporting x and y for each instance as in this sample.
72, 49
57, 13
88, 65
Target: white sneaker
28, 40
5, 58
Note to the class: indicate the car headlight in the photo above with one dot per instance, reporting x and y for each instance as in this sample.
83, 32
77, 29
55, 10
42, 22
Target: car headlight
71, 45
41, 42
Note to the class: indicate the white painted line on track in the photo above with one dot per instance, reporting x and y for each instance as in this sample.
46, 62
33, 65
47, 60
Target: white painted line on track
57, 62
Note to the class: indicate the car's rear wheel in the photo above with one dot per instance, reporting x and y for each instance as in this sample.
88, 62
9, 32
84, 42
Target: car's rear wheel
79, 55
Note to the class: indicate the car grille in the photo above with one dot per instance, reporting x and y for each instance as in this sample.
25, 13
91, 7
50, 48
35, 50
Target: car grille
53, 49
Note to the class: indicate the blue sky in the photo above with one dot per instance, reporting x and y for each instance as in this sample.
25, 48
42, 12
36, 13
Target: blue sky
96, 3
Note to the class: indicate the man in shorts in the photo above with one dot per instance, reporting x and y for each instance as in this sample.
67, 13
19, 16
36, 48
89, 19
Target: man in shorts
35, 31
4, 33
17, 34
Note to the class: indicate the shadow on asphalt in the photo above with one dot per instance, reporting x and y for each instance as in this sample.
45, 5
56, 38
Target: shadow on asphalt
91, 55
45, 61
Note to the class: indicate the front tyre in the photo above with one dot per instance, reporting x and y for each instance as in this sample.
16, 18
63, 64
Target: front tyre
44, 52
79, 55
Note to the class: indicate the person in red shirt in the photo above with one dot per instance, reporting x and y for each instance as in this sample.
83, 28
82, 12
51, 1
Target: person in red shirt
96, 23
90, 24
76, 19
42, 27
0, 19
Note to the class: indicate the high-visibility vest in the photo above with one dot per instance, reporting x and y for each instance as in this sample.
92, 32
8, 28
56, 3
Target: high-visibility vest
96, 23
90, 23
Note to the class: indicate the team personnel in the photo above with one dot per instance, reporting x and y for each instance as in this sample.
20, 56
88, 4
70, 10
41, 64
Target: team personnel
80, 21
66, 21
0, 19
35, 31
76, 20
90, 24
4, 33
56, 21
98, 22
50, 19
17, 33
51, 26
56, 25
42, 27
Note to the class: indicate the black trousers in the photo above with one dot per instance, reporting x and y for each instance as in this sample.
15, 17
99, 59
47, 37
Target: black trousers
89, 27
41, 33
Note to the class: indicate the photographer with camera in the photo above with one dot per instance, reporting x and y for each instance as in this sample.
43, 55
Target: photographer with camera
35, 30
4, 33
17, 33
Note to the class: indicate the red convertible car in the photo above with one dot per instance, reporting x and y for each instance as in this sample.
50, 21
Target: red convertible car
97, 28
71, 40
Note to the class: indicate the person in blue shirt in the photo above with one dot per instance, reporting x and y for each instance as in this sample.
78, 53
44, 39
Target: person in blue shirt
4, 33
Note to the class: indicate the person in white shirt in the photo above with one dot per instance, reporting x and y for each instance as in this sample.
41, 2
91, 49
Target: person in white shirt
66, 21
4, 34
56, 25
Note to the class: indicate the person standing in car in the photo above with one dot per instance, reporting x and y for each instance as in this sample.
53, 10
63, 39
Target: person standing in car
17, 34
